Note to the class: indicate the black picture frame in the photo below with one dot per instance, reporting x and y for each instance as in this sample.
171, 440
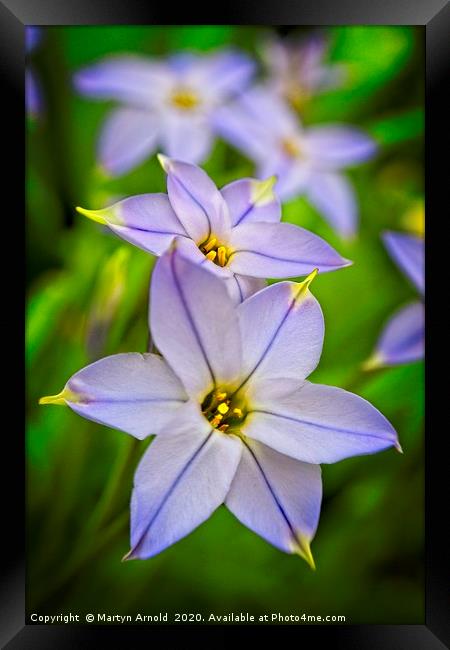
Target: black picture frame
434, 15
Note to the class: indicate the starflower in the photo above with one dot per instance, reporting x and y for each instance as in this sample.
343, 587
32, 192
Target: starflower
235, 233
33, 96
167, 103
403, 337
306, 160
297, 68
235, 419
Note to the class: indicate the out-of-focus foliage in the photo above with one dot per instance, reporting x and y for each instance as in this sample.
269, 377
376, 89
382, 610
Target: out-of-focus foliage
88, 299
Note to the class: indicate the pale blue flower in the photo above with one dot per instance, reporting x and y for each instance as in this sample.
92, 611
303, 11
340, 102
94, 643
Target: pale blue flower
164, 103
235, 233
298, 69
307, 160
235, 418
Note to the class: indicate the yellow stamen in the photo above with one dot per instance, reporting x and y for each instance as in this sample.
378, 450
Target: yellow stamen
210, 245
222, 255
237, 412
216, 420
221, 396
223, 408
65, 395
290, 148
184, 98
211, 255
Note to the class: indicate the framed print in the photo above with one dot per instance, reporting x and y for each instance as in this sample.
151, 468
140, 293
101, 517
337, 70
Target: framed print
228, 348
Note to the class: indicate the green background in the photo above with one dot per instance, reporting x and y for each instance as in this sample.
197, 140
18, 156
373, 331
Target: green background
369, 544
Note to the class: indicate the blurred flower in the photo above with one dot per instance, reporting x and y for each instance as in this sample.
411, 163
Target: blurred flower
306, 160
33, 95
403, 338
235, 233
106, 299
297, 68
236, 421
414, 218
166, 103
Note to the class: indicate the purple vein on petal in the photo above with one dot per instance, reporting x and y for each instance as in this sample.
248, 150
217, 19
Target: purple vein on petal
272, 339
169, 492
177, 180
190, 318
283, 259
273, 493
317, 424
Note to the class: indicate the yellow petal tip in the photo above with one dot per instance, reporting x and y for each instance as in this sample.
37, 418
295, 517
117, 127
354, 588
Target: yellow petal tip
262, 191
61, 398
398, 447
164, 161
95, 215
127, 556
307, 281
299, 289
303, 548
372, 363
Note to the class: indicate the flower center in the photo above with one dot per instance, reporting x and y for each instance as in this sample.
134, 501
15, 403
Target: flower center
215, 251
290, 147
296, 94
184, 98
221, 411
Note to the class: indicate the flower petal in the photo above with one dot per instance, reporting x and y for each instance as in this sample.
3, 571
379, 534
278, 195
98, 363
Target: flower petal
188, 137
251, 200
194, 324
277, 497
146, 220
196, 201
282, 334
223, 74
257, 123
236, 126
242, 287
277, 250
266, 107
128, 79
318, 424
127, 138
182, 478
408, 251
293, 174
136, 393
403, 338
334, 197
333, 147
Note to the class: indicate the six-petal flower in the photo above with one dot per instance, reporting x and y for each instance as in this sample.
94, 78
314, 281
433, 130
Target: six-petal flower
236, 233
306, 160
236, 420
297, 68
169, 103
